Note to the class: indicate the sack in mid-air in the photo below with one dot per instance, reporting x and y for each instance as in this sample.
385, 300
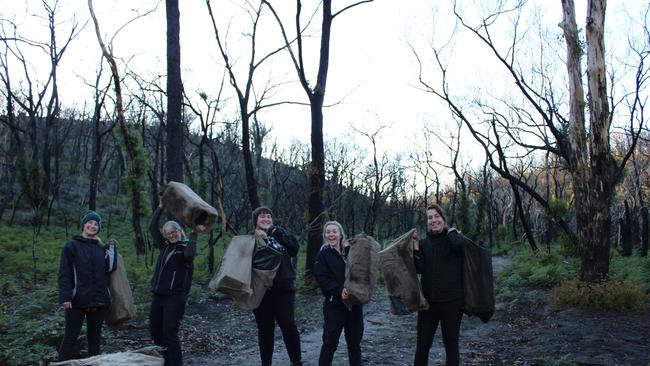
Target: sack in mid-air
183, 204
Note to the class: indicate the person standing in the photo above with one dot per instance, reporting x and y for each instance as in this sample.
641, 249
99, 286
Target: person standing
439, 258
84, 268
170, 284
278, 303
329, 271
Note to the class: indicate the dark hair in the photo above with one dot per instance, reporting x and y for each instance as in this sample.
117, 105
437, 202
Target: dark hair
258, 211
439, 210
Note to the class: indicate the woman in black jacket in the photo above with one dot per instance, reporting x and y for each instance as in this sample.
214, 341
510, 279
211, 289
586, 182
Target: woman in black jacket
439, 258
170, 284
278, 303
83, 285
329, 271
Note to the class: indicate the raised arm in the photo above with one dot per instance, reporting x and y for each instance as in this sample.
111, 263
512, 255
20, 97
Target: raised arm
154, 227
190, 249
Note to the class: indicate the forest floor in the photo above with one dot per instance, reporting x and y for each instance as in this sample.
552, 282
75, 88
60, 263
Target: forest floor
525, 331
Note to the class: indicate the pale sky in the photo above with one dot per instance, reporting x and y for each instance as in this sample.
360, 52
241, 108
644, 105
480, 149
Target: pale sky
371, 67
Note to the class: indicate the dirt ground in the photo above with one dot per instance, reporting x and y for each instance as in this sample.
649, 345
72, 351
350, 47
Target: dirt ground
522, 332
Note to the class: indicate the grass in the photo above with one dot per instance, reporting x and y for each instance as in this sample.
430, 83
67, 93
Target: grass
625, 290
31, 322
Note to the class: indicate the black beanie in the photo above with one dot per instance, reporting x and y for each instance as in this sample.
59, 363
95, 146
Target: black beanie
91, 215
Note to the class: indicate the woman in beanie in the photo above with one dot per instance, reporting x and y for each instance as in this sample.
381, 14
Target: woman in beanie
439, 258
278, 302
329, 271
83, 285
170, 284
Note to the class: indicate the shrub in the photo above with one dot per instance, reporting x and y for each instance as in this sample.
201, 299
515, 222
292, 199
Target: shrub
606, 296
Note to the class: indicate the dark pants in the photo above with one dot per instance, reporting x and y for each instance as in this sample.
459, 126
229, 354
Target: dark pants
164, 321
277, 306
74, 319
337, 318
449, 315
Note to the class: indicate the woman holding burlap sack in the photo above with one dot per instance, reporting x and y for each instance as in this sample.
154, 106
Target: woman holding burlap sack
329, 272
83, 285
439, 258
278, 303
170, 284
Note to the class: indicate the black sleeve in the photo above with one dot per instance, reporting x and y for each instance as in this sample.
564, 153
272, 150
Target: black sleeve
190, 249
66, 274
154, 228
284, 237
325, 278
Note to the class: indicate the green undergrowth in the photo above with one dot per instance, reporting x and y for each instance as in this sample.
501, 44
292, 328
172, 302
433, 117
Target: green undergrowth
626, 289
31, 322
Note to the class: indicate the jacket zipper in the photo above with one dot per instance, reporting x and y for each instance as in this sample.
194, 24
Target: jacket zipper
171, 285
162, 266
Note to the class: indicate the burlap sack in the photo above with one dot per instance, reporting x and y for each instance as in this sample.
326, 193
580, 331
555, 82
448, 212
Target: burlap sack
402, 285
234, 275
361, 269
478, 281
148, 356
186, 206
261, 280
121, 308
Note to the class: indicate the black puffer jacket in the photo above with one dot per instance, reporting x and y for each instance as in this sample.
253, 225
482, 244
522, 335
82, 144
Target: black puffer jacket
329, 272
440, 261
83, 272
175, 265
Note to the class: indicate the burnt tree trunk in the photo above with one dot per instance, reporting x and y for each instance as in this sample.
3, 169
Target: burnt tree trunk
174, 94
626, 224
645, 232
136, 166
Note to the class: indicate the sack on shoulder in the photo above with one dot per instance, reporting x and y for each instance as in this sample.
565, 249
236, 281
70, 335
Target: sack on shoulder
122, 307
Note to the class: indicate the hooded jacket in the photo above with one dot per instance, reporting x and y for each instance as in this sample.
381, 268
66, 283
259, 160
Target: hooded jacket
175, 265
83, 272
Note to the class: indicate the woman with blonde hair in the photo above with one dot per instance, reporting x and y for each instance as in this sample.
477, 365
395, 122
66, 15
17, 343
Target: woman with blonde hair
83, 285
329, 271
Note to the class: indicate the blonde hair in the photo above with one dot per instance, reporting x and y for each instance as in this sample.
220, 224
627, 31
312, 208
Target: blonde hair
339, 226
